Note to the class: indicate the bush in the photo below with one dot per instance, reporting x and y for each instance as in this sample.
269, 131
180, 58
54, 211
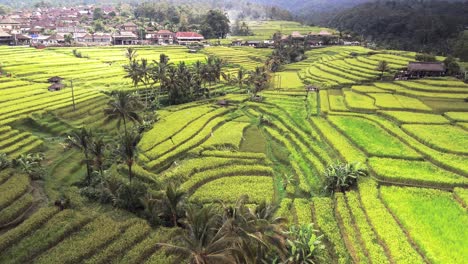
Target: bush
342, 176
4, 161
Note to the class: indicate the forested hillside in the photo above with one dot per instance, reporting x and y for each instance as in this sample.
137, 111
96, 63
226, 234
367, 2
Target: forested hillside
430, 26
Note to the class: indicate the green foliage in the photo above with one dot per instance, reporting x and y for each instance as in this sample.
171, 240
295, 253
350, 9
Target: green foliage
31, 164
425, 57
215, 24
406, 25
4, 161
342, 177
452, 66
303, 244
241, 29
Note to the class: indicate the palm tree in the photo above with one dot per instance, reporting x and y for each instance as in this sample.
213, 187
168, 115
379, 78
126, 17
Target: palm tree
259, 78
255, 233
128, 151
131, 54
242, 77
159, 72
202, 242
170, 203
341, 177
133, 72
382, 67
82, 140
123, 107
268, 230
218, 65
97, 148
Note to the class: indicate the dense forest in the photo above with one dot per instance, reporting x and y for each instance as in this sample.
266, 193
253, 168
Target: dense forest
427, 26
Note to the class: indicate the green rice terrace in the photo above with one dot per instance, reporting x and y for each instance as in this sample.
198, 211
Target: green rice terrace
410, 136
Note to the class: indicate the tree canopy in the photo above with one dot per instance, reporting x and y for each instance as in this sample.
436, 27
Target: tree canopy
215, 24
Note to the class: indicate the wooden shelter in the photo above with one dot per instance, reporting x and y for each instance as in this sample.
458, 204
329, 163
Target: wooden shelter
56, 87
425, 69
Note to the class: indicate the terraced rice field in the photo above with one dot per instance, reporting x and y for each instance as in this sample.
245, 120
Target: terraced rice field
409, 135
264, 30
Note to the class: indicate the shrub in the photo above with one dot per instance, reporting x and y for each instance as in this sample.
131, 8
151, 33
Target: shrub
341, 177
303, 244
4, 161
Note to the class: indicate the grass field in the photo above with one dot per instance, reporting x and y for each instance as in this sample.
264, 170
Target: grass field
410, 135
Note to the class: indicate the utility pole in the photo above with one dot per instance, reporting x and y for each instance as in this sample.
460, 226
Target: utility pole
73, 95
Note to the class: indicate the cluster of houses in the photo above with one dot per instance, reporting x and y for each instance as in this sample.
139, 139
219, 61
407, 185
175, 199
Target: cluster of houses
60, 26
312, 39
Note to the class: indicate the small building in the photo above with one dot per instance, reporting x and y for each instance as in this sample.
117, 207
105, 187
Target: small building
165, 37
5, 38
160, 37
102, 38
56, 84
130, 27
253, 43
56, 87
237, 42
55, 79
125, 38
425, 69
8, 24
88, 38
296, 36
184, 38
21, 39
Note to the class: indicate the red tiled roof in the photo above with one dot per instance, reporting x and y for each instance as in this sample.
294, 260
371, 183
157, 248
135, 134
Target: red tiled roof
188, 35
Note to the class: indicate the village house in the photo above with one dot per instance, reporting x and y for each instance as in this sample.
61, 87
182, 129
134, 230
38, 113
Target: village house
324, 37
70, 29
125, 38
130, 27
5, 38
102, 38
20, 39
161, 37
185, 38
9, 25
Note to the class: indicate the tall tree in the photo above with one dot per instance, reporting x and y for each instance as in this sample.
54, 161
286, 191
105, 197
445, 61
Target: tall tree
82, 140
123, 107
127, 151
97, 149
170, 204
131, 54
383, 67
215, 24
260, 79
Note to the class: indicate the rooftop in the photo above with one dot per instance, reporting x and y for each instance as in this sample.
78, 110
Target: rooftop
426, 66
